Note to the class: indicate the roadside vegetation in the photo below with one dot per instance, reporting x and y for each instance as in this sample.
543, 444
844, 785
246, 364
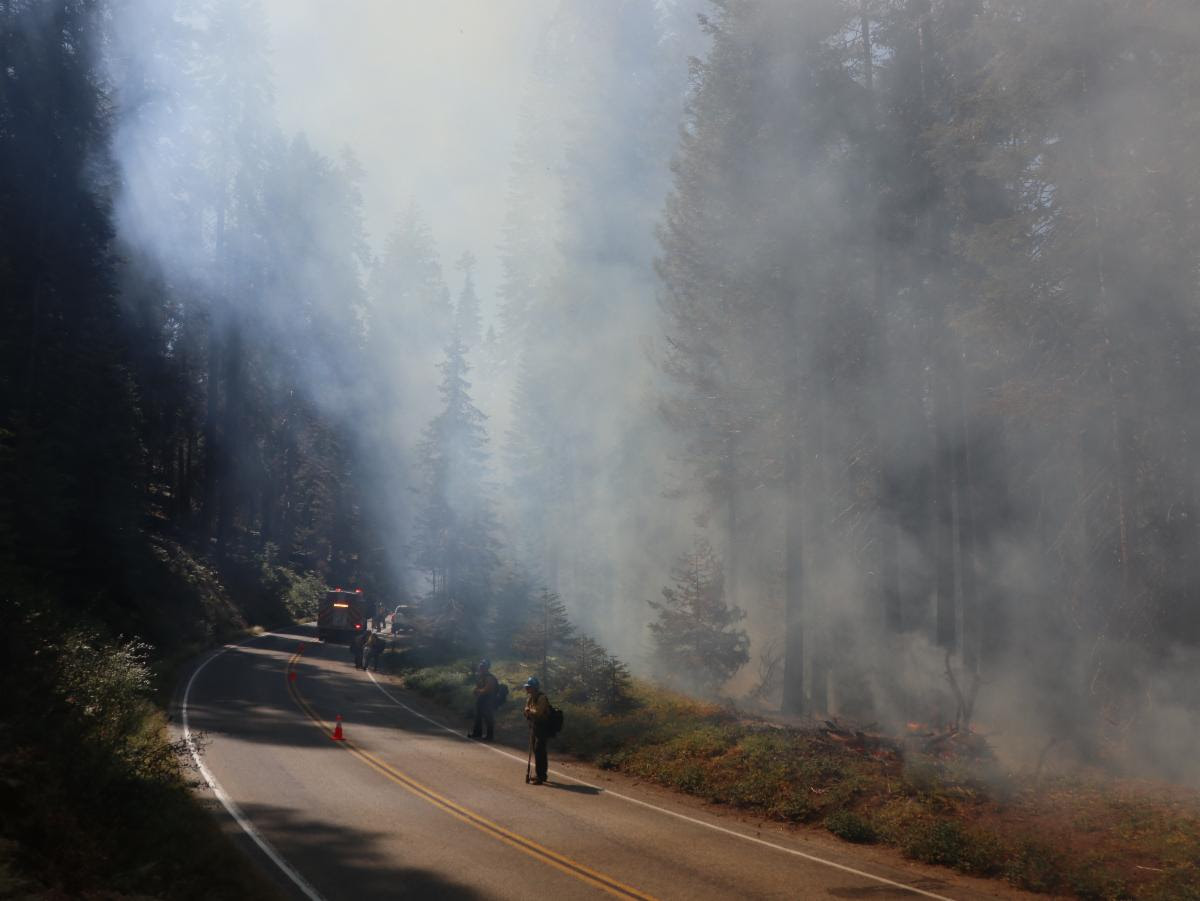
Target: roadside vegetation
96, 794
1090, 837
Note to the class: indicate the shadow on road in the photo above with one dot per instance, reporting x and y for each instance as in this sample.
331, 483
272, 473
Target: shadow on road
575, 789
351, 863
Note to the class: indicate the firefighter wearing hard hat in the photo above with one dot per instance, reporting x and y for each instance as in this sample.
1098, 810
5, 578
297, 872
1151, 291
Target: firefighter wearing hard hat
537, 712
486, 691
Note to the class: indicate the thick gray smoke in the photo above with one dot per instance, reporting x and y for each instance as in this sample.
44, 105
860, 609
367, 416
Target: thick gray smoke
893, 303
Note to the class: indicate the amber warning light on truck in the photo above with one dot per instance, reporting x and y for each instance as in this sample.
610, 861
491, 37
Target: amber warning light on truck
343, 613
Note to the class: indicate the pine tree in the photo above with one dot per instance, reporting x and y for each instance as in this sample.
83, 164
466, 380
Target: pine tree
615, 684
467, 322
581, 670
456, 542
547, 632
513, 598
410, 319
694, 633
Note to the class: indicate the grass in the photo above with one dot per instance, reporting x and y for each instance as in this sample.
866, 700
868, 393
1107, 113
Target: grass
1098, 838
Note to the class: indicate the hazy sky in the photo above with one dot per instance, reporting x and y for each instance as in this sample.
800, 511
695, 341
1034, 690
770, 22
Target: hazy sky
426, 94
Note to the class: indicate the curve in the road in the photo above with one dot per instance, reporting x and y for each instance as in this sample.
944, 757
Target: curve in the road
599, 839
221, 795
495, 830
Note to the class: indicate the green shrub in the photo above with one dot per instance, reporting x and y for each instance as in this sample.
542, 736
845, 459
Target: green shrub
613, 761
921, 776
851, 827
794, 808
303, 594
105, 687
1034, 867
948, 843
103, 806
941, 842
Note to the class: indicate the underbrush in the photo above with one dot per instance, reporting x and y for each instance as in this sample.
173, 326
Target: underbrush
1100, 840
94, 796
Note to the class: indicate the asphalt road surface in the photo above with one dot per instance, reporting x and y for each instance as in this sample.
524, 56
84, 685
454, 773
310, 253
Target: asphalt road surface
408, 807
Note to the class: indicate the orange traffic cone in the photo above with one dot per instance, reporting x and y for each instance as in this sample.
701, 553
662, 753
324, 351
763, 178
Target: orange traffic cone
337, 730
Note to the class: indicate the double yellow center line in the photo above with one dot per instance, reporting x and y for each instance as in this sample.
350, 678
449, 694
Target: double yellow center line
495, 830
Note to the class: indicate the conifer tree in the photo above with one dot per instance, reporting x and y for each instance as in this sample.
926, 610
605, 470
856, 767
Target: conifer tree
694, 632
582, 669
410, 320
456, 542
613, 691
466, 312
547, 632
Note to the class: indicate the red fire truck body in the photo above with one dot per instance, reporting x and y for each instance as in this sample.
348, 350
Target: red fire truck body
343, 614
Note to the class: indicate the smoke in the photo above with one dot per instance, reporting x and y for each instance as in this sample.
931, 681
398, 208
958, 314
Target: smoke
428, 98
905, 331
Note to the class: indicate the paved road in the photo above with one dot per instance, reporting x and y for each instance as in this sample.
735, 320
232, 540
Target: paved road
407, 807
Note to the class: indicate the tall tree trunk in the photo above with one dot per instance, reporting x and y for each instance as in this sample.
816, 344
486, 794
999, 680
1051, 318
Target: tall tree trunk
189, 474
218, 313
1121, 442
732, 547
972, 634
884, 527
942, 518
285, 500
793, 662
212, 446
231, 426
824, 482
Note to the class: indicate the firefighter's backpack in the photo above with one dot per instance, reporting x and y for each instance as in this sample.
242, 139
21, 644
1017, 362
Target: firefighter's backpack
501, 693
554, 722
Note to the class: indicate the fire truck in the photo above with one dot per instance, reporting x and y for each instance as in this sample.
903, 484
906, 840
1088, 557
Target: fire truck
343, 614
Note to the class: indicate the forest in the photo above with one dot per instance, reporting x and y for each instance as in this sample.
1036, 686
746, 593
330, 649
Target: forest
853, 341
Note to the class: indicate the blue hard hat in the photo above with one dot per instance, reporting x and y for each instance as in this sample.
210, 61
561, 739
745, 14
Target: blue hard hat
485, 663
532, 682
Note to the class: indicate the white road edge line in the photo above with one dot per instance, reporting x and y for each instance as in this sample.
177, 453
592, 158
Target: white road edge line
672, 813
230, 805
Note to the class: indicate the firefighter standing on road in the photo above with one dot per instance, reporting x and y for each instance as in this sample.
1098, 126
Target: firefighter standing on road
358, 644
537, 712
376, 645
486, 689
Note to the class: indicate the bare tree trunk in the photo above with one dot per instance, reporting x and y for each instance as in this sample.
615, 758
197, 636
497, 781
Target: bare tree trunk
732, 548
793, 666
231, 422
1120, 433
819, 496
972, 632
884, 537
189, 473
942, 523
212, 449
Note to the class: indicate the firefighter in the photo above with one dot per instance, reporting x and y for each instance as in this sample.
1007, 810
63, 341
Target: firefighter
358, 644
376, 645
486, 690
537, 712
